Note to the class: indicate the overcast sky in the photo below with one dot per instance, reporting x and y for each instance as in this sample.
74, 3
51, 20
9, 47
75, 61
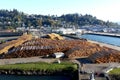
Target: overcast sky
102, 9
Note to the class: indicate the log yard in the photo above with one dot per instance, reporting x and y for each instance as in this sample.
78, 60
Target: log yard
88, 54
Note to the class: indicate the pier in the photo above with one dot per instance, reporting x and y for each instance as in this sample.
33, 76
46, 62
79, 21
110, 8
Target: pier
104, 34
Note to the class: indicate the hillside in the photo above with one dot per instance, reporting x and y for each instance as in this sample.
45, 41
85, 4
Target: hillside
11, 19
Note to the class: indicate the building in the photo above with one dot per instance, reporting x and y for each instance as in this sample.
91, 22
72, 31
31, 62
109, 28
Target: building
68, 31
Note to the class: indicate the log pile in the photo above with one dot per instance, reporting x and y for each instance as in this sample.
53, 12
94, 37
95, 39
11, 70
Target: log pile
71, 48
55, 36
41, 47
105, 56
14, 43
83, 51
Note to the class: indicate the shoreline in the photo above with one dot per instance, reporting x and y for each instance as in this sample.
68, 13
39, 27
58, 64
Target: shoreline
106, 45
96, 42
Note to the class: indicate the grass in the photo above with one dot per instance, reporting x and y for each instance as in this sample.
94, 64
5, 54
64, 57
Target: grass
115, 71
41, 66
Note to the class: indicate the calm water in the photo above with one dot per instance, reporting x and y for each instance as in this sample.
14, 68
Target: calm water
105, 39
14, 77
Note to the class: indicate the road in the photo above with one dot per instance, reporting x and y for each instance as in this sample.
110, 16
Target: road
25, 60
99, 69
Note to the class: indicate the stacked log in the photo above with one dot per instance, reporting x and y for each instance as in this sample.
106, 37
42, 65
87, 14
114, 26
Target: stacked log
41, 47
71, 48
105, 56
83, 50
14, 43
55, 36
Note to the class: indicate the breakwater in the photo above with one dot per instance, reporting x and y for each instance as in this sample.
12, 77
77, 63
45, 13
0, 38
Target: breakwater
104, 34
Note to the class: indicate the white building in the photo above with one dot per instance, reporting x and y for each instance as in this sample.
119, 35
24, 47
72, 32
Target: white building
69, 31
80, 31
66, 31
20, 29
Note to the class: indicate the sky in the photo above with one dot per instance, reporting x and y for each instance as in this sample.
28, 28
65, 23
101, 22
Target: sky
102, 9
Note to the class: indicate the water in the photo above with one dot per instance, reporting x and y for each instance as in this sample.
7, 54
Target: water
104, 39
15, 77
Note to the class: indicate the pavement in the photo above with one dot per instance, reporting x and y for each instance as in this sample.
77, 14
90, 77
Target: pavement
98, 69
25, 60
87, 77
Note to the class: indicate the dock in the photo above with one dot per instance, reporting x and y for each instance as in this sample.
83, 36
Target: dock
104, 34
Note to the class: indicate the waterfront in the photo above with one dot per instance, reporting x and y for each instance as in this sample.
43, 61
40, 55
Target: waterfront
15, 77
104, 39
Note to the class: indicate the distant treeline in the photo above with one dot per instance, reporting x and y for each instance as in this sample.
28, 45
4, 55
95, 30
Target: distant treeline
11, 19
